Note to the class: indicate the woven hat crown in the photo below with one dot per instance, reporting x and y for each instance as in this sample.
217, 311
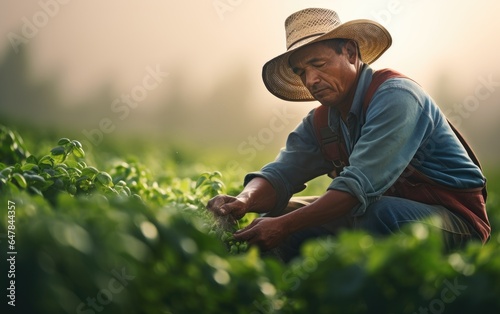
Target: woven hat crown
312, 25
305, 25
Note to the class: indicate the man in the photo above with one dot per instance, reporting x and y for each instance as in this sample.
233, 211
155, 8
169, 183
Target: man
400, 161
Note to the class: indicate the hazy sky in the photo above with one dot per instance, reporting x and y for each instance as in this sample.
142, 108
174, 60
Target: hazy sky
89, 41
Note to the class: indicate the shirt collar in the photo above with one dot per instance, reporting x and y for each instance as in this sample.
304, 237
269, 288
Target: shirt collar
365, 79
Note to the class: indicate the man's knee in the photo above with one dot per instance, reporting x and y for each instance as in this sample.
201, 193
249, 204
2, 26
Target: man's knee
385, 216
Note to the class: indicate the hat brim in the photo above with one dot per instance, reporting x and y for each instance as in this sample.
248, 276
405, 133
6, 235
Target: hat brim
372, 38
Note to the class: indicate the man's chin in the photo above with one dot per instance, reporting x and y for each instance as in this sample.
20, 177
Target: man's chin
325, 98
326, 101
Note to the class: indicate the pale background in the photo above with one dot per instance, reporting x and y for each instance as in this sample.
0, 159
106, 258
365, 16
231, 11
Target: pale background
88, 53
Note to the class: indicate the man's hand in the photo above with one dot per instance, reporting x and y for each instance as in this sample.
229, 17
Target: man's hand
258, 196
223, 205
266, 233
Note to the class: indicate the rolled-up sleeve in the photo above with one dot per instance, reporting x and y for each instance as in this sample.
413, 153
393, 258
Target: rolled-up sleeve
395, 127
300, 161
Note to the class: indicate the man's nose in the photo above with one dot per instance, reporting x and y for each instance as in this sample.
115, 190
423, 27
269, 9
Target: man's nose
311, 78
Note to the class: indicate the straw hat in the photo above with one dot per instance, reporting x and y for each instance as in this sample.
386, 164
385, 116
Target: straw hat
312, 25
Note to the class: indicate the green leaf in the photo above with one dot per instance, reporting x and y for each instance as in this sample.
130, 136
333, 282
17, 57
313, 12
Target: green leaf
103, 187
47, 184
78, 152
35, 190
104, 178
75, 171
12, 187
82, 179
217, 185
7, 171
57, 183
127, 190
20, 180
216, 174
46, 160
34, 178
32, 160
90, 171
84, 185
121, 183
72, 189
72, 164
200, 181
62, 171
61, 166
77, 144
59, 150
63, 141
29, 166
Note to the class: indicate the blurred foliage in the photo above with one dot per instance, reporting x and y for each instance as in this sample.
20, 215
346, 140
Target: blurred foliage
12, 149
137, 239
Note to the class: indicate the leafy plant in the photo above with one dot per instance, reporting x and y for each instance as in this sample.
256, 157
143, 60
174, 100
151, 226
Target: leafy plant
129, 240
63, 170
12, 148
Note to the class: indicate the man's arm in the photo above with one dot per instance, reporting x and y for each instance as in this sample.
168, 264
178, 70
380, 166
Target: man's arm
258, 196
331, 205
267, 233
272, 187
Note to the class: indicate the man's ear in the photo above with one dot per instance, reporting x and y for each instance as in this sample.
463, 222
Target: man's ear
351, 48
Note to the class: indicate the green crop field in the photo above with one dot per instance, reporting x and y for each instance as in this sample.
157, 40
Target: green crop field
121, 231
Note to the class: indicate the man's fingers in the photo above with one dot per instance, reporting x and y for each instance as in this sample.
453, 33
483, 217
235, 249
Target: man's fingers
250, 226
247, 233
216, 202
230, 207
225, 209
217, 205
244, 235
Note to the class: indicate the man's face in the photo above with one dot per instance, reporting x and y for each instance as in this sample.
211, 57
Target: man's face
328, 76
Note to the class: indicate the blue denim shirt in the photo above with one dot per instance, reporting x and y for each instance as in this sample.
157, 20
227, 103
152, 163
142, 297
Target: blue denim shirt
403, 126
